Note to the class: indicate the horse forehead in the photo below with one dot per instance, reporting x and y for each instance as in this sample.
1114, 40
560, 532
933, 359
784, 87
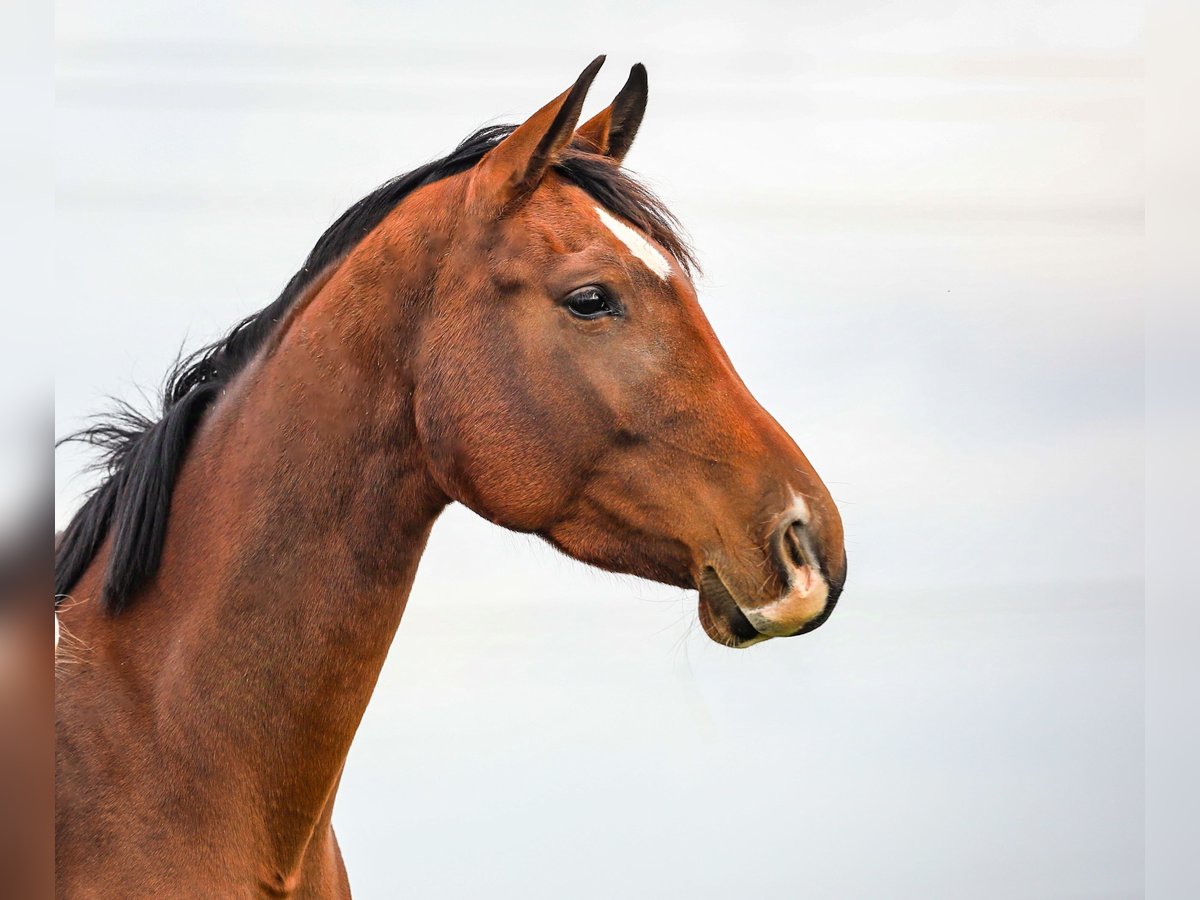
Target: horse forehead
636, 243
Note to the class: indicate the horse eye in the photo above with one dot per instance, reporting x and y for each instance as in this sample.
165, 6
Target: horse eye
590, 302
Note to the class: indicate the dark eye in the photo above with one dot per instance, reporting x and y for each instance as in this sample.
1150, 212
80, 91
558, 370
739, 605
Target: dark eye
591, 302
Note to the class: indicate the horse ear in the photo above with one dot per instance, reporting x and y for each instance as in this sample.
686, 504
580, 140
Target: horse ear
516, 165
611, 131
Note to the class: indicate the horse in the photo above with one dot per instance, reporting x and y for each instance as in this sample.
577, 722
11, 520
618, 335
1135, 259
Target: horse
513, 327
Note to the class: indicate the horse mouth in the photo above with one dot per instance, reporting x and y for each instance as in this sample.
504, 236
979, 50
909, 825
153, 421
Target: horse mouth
721, 617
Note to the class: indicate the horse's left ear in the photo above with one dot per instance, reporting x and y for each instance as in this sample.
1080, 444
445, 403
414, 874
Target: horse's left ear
516, 165
611, 131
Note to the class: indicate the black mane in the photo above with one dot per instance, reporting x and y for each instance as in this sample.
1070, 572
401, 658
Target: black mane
142, 454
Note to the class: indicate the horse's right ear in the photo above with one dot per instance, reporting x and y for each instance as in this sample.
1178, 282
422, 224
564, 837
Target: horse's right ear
611, 131
515, 166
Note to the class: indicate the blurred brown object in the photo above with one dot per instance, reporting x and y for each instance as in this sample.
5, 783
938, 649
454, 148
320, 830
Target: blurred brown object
26, 718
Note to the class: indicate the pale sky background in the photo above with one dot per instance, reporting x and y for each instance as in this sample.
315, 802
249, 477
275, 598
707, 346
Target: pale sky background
921, 226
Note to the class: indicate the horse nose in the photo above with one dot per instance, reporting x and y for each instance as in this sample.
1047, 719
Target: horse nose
810, 591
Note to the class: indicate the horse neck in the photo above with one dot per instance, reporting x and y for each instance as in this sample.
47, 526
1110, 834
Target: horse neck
296, 527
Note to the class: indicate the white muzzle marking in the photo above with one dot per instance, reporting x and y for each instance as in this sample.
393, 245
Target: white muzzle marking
804, 601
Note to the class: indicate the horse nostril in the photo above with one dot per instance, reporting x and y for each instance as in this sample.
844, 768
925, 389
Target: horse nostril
797, 544
798, 547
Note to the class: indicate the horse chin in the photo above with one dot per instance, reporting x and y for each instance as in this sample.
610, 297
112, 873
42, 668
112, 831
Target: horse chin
720, 616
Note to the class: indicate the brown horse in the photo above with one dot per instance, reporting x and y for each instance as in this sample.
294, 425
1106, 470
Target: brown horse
513, 327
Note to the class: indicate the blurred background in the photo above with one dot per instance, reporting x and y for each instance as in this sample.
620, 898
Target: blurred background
922, 232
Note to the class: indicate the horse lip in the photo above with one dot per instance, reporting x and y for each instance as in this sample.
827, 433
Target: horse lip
725, 615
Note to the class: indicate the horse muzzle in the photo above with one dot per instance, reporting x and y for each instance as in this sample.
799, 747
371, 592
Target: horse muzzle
805, 604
